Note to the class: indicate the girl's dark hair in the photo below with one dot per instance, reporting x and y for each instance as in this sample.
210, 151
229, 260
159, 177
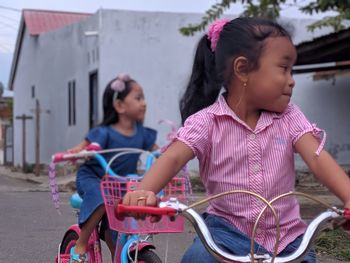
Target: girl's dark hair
110, 115
212, 70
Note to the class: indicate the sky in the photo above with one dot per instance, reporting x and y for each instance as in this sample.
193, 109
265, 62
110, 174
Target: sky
10, 14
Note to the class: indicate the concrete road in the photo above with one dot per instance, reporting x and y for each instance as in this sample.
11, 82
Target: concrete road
31, 229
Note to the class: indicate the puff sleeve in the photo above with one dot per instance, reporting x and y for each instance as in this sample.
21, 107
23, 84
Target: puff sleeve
300, 125
98, 135
196, 133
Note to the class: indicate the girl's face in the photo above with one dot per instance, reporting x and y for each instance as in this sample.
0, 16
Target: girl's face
270, 87
134, 105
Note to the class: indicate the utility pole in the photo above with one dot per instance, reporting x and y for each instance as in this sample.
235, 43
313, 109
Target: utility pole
37, 111
24, 117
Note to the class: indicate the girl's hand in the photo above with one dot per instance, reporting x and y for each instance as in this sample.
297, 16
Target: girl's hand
75, 149
140, 198
78, 148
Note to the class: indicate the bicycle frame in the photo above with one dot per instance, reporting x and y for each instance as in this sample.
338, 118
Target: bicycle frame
124, 243
94, 245
174, 208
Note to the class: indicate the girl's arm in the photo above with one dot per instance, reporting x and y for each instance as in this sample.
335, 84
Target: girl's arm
324, 168
160, 173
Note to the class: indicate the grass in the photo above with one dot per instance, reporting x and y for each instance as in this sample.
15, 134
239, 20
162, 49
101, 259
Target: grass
196, 184
334, 243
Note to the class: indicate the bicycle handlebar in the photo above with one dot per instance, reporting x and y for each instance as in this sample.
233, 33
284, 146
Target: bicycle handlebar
173, 207
65, 156
95, 151
89, 151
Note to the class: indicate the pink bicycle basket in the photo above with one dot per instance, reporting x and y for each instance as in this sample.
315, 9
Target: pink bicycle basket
113, 191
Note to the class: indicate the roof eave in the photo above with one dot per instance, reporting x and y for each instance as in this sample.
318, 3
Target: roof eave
16, 53
325, 49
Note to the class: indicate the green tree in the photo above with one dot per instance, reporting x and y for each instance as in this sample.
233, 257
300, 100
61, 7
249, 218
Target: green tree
272, 8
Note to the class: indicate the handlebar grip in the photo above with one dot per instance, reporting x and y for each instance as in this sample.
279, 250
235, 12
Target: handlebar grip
66, 156
88, 151
347, 213
60, 157
93, 147
149, 210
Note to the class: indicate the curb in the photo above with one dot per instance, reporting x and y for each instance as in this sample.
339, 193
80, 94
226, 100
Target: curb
65, 183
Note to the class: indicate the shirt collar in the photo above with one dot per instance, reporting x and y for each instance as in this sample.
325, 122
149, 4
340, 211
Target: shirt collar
221, 108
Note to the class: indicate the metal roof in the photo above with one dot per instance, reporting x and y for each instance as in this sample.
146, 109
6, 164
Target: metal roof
333, 48
40, 21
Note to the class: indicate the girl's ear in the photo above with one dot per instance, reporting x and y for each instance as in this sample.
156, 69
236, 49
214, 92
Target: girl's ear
119, 106
240, 68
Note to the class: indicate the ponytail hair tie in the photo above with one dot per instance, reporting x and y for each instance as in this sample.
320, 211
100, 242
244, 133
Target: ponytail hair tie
118, 85
214, 31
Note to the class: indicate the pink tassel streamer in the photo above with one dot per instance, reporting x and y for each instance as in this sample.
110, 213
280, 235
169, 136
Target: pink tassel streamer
54, 187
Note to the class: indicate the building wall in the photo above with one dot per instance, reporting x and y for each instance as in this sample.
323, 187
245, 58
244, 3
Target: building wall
160, 58
149, 47
49, 61
326, 103
26, 73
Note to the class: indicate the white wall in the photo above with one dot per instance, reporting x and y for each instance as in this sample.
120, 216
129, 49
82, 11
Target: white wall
49, 61
327, 103
149, 47
26, 72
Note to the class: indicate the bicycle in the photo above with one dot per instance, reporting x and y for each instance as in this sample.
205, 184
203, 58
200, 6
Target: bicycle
129, 246
174, 208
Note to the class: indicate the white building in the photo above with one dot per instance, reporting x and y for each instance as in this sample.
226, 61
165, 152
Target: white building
67, 67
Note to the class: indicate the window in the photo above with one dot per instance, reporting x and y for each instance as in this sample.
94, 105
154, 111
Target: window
71, 103
33, 91
93, 105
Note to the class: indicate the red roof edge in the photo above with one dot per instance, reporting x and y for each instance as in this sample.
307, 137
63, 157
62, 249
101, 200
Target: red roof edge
41, 21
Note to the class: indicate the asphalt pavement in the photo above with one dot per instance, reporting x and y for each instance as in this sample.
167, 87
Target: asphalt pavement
66, 182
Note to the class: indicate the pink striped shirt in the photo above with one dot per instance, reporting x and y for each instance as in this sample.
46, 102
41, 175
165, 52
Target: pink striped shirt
233, 156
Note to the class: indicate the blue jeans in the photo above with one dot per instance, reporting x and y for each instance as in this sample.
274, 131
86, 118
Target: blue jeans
230, 239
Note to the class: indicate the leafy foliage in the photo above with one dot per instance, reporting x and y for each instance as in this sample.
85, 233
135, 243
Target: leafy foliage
271, 9
334, 243
213, 13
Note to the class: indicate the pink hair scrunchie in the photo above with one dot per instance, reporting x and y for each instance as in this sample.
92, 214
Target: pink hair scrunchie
119, 84
214, 31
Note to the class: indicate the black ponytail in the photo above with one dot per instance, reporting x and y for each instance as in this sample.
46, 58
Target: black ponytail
204, 86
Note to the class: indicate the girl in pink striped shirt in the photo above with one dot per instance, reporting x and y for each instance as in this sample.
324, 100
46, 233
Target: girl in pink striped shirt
245, 139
